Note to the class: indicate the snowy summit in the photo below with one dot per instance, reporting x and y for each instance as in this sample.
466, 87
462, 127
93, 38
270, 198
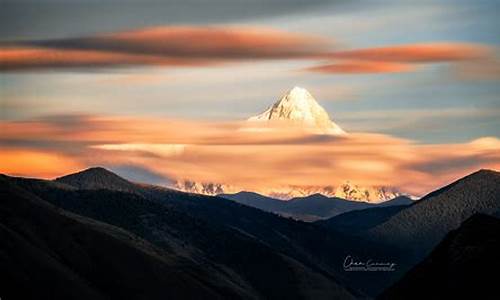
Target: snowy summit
300, 107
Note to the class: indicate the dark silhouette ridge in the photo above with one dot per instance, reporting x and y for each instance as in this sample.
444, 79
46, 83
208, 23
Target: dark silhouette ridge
356, 221
246, 251
97, 178
460, 267
47, 253
230, 240
309, 208
416, 229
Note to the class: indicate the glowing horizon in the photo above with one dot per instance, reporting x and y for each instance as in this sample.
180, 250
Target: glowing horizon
263, 161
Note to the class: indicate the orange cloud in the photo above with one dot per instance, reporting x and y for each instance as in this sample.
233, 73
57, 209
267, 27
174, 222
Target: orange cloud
417, 53
259, 160
36, 163
21, 58
204, 45
204, 42
172, 45
359, 67
403, 58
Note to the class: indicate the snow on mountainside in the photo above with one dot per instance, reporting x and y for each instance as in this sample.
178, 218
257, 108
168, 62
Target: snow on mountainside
346, 191
299, 107
205, 188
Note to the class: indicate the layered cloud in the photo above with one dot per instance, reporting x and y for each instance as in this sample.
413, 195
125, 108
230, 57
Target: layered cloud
174, 45
198, 42
357, 67
417, 53
229, 154
405, 58
28, 58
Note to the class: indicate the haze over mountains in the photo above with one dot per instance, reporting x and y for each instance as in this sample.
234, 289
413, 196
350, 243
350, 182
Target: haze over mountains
309, 208
52, 229
297, 110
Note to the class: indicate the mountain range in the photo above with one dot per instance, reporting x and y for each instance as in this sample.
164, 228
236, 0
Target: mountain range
309, 208
346, 190
297, 110
230, 241
94, 234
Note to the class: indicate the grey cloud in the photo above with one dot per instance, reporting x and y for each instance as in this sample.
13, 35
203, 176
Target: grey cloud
58, 19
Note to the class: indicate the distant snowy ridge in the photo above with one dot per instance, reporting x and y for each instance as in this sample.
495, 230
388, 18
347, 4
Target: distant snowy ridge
346, 191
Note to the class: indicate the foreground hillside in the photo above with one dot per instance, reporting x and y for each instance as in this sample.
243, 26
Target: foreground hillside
67, 228
459, 268
230, 241
47, 253
421, 226
415, 230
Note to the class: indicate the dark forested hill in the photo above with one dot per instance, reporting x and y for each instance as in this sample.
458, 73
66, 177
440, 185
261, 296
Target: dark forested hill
310, 208
261, 253
416, 229
46, 253
247, 252
462, 266
97, 178
356, 221
419, 227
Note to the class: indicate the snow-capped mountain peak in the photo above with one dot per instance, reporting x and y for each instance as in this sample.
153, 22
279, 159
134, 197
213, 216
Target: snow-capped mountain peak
299, 107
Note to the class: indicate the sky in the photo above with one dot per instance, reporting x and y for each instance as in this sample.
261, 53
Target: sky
158, 90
